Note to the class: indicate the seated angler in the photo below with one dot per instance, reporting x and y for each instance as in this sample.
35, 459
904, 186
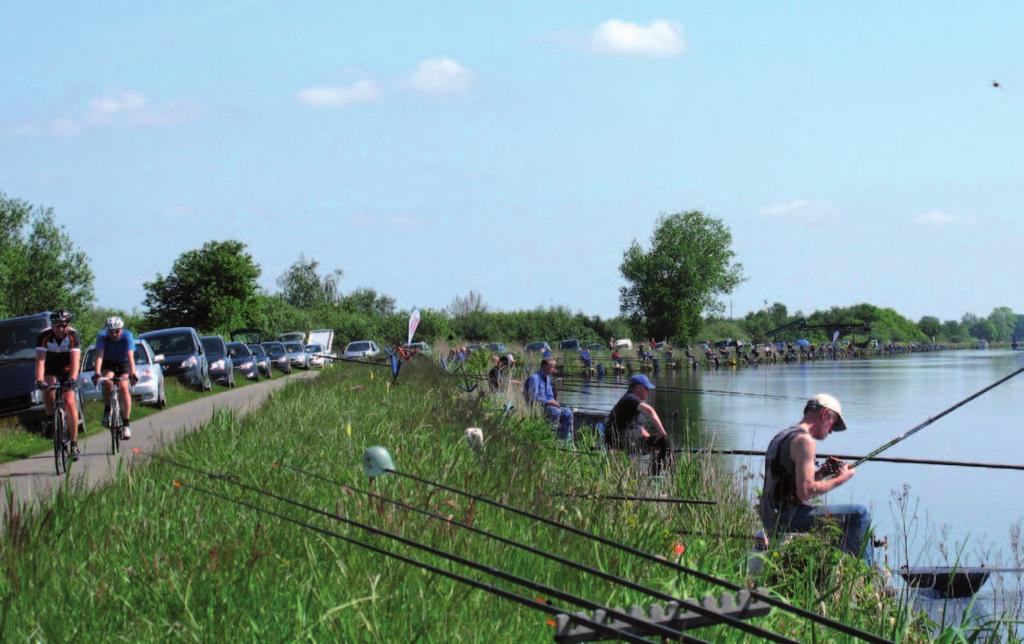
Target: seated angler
624, 428
540, 389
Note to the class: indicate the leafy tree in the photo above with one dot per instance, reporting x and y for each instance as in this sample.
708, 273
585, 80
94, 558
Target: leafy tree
40, 267
673, 285
367, 300
1003, 321
472, 302
1018, 327
302, 286
206, 288
952, 331
983, 329
930, 326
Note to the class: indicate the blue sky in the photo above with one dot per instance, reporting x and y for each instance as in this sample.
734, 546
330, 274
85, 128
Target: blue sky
858, 152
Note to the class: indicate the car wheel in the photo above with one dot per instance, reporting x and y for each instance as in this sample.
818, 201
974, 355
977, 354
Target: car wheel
231, 383
207, 383
161, 399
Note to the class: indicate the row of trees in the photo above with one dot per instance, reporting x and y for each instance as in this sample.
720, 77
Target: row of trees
673, 290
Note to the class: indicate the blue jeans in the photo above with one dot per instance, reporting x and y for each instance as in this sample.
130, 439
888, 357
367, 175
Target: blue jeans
563, 417
854, 520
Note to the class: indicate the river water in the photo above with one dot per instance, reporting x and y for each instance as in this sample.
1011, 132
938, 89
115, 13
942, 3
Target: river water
970, 511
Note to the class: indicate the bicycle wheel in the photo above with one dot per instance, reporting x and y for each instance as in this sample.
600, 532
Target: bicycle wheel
60, 448
115, 423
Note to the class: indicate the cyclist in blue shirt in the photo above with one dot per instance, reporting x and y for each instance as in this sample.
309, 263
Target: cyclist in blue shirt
115, 356
538, 388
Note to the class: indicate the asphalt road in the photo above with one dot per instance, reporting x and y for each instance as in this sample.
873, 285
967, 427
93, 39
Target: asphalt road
32, 479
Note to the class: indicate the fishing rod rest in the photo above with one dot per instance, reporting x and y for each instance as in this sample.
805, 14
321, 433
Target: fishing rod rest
377, 461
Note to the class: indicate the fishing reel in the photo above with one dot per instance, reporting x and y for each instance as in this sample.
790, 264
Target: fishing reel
830, 468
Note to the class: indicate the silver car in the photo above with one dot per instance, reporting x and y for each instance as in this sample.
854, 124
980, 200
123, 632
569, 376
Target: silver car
297, 355
316, 355
148, 391
362, 349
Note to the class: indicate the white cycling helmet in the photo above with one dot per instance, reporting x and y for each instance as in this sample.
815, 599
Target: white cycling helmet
114, 323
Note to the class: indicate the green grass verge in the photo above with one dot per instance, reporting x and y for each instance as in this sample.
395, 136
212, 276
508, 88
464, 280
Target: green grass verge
17, 441
144, 559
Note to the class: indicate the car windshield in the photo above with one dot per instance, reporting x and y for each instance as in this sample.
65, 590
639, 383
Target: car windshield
18, 338
213, 346
314, 348
171, 344
570, 344
141, 357
536, 346
274, 349
89, 361
237, 350
257, 350
358, 346
293, 347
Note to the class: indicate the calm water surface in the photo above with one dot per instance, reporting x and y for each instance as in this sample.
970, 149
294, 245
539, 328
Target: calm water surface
881, 399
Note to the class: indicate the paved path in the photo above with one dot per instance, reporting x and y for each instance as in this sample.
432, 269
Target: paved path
33, 478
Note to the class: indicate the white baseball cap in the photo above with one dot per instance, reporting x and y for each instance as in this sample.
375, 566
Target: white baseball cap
831, 403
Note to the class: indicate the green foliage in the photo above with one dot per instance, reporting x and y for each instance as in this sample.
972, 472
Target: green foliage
1003, 321
930, 326
206, 288
302, 286
716, 329
674, 284
40, 267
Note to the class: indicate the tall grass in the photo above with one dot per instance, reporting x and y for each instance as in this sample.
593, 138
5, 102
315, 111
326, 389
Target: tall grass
143, 560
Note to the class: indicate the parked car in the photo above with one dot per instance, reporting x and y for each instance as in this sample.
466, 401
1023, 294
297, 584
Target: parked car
278, 356
18, 393
422, 347
262, 359
596, 346
149, 390
569, 345
244, 361
496, 347
222, 367
362, 349
537, 347
624, 343
297, 355
184, 355
316, 356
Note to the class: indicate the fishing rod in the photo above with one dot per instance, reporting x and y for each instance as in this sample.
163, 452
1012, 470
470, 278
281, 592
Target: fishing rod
536, 604
690, 605
353, 360
682, 390
913, 430
619, 497
768, 599
861, 459
654, 627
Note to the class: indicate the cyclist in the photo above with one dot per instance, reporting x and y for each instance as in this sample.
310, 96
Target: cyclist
115, 356
59, 355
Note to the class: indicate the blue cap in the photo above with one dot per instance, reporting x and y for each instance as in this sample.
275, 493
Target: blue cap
641, 379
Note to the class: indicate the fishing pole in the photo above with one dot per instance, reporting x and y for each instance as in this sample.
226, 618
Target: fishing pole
353, 360
576, 382
654, 627
768, 599
861, 459
690, 605
542, 606
919, 427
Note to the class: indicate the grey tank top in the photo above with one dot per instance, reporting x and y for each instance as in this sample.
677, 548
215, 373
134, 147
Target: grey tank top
779, 474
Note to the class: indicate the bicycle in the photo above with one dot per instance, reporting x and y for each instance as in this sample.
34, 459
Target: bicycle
116, 423
61, 435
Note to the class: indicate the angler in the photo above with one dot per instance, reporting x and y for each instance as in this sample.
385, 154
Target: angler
791, 480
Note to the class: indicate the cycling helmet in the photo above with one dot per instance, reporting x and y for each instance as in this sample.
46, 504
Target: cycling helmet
63, 316
114, 323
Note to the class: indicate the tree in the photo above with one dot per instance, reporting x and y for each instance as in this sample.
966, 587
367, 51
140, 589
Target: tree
40, 267
953, 331
983, 329
206, 288
367, 300
1003, 320
302, 286
930, 326
472, 302
674, 284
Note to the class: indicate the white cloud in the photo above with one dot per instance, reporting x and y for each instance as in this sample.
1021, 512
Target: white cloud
936, 218
116, 108
441, 76
661, 38
802, 210
364, 91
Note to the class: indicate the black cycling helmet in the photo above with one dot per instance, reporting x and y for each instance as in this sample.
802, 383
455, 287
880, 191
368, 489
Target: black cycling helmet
62, 316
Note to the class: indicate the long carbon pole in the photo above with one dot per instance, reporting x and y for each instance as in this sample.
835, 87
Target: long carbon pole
469, 581
913, 430
694, 606
768, 599
654, 627
860, 459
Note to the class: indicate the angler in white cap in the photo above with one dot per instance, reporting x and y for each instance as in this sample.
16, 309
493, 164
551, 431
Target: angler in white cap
792, 479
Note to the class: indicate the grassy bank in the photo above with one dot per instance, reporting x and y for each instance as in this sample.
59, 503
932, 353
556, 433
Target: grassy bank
143, 559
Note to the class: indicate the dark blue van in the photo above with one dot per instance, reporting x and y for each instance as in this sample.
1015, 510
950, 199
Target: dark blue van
181, 354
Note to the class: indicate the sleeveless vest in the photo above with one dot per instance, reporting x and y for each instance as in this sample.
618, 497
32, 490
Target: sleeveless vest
779, 475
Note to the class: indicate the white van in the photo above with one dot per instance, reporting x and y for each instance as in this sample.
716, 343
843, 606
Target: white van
624, 344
